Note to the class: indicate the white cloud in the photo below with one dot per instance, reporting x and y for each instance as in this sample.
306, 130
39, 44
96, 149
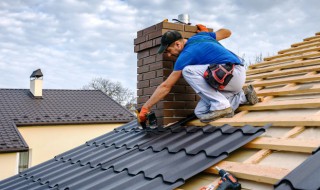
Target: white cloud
73, 41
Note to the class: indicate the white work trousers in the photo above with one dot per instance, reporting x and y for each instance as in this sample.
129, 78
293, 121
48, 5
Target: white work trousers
211, 99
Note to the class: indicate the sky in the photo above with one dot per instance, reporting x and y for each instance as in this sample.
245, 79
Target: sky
74, 41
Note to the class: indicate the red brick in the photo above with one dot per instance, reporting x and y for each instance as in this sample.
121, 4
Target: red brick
178, 89
190, 105
140, 33
169, 97
143, 99
181, 81
139, 40
185, 97
159, 105
149, 30
172, 26
163, 73
136, 48
140, 62
156, 81
156, 42
139, 77
154, 50
187, 34
188, 28
149, 59
139, 92
145, 45
149, 91
143, 84
155, 34
189, 89
156, 66
177, 112
143, 69
174, 105
143, 54
149, 75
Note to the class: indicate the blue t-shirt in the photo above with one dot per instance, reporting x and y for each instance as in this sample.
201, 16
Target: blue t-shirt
202, 49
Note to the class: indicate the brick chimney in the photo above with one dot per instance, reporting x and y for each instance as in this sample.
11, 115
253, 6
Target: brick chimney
154, 68
36, 83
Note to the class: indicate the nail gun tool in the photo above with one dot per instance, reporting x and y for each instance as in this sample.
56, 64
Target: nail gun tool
151, 121
227, 181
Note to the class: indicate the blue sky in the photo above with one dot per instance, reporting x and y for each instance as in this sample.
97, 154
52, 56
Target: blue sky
73, 41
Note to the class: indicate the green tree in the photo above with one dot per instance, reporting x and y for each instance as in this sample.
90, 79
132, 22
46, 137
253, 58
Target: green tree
114, 90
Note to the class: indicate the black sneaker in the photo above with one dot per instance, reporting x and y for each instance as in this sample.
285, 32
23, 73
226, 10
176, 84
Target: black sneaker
251, 94
214, 115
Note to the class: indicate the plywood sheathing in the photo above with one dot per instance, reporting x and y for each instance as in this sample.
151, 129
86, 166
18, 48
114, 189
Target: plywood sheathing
289, 85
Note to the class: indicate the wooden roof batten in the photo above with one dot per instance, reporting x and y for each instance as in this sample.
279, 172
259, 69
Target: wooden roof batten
289, 86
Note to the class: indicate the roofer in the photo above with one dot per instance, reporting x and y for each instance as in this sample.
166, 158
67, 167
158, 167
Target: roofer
216, 74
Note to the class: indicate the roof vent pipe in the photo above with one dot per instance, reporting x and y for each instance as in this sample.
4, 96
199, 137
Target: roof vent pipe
36, 80
183, 19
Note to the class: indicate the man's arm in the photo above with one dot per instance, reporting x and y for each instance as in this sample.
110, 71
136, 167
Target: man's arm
222, 34
163, 89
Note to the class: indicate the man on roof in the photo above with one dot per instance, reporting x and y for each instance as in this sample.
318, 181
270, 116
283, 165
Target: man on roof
216, 74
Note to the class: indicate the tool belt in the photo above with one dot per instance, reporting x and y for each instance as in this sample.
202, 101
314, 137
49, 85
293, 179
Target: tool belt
218, 76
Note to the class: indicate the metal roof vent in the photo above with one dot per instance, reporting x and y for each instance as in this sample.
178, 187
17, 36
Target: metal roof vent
183, 19
36, 80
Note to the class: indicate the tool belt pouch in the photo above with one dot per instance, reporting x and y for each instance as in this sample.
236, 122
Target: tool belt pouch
218, 76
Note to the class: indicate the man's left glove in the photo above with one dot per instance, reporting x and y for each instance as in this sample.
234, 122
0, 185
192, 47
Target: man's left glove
202, 28
142, 115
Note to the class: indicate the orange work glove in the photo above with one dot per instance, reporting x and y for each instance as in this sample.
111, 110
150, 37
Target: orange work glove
202, 28
143, 113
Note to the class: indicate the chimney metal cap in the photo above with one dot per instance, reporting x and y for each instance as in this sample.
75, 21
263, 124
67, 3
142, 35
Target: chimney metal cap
36, 74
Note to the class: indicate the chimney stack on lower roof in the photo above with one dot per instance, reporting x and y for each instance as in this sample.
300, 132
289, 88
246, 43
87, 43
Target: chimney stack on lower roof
36, 80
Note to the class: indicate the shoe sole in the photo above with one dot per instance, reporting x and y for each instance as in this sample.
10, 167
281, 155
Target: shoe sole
252, 95
222, 115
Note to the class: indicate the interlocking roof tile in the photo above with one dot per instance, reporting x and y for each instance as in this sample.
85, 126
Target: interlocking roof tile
305, 176
18, 107
132, 158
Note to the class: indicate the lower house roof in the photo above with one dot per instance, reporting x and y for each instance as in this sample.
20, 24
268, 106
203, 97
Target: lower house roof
19, 107
132, 158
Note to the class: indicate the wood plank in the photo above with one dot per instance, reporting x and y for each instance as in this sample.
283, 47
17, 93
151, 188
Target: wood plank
311, 38
285, 72
280, 105
314, 44
292, 53
257, 157
282, 60
306, 89
253, 172
293, 64
297, 79
292, 145
304, 43
288, 121
261, 154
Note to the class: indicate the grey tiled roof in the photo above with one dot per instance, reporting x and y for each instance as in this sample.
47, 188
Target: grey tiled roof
305, 176
18, 107
131, 158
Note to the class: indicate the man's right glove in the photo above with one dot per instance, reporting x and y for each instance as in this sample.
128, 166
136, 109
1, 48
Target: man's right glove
202, 28
142, 115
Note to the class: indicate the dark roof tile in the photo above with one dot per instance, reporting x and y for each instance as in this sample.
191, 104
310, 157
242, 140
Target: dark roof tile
18, 107
132, 158
305, 176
